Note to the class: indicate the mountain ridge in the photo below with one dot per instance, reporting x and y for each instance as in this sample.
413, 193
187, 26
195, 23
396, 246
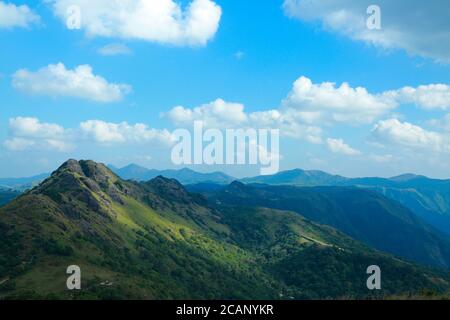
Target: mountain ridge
426, 197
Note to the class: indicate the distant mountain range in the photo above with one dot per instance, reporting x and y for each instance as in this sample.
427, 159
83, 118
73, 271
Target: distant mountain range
184, 176
22, 184
157, 240
428, 198
6, 195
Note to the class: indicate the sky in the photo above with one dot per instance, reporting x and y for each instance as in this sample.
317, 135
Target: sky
111, 80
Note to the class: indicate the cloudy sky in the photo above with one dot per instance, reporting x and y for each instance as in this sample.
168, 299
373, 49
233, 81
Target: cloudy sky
347, 99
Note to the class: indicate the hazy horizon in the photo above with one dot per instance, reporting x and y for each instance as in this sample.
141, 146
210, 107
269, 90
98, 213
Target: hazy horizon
204, 170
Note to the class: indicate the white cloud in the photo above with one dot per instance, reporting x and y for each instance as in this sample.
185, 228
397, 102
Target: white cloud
18, 144
55, 80
16, 16
162, 21
29, 133
433, 96
419, 27
288, 124
112, 133
216, 114
221, 114
405, 134
310, 102
114, 49
339, 146
32, 127
308, 106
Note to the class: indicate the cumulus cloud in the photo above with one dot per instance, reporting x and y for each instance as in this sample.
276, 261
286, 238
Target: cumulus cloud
12, 16
55, 80
287, 123
216, 114
405, 134
32, 127
339, 146
433, 96
221, 114
421, 28
310, 102
163, 21
114, 49
29, 133
111, 133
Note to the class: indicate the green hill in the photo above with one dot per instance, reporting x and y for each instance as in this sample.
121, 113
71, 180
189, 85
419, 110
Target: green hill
155, 240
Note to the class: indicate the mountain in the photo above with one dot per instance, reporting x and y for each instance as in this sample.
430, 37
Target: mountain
156, 240
6, 195
22, 184
428, 198
297, 177
364, 215
184, 176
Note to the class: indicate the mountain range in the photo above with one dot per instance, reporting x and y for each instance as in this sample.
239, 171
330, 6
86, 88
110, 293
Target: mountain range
22, 184
157, 240
428, 198
6, 195
184, 176
363, 214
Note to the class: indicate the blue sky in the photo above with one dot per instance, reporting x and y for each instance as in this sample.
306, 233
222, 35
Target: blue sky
246, 52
